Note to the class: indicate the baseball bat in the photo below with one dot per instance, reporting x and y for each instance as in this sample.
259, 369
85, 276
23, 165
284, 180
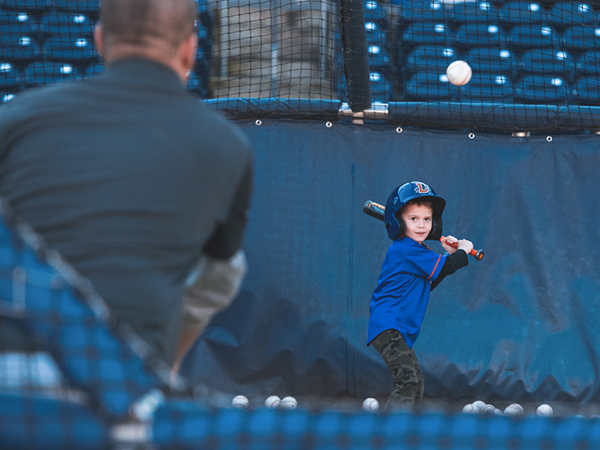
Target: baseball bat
377, 211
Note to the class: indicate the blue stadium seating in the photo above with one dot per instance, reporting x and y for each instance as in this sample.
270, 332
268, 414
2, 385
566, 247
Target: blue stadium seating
488, 87
433, 57
476, 34
31, 6
6, 96
481, 11
586, 91
580, 38
373, 11
429, 86
93, 70
378, 54
522, 37
521, 13
491, 59
541, 89
10, 77
382, 87
78, 6
548, 61
564, 14
17, 22
421, 11
66, 23
588, 63
40, 73
73, 48
18, 47
425, 33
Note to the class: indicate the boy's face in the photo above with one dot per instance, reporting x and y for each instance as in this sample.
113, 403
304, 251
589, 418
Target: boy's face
418, 220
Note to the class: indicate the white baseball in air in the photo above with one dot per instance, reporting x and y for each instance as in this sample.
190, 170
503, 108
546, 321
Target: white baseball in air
272, 401
288, 403
514, 409
459, 73
370, 404
544, 410
240, 401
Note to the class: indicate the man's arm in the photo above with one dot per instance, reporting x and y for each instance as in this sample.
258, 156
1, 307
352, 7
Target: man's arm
216, 286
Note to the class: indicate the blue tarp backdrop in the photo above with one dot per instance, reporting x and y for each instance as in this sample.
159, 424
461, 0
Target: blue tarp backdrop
520, 325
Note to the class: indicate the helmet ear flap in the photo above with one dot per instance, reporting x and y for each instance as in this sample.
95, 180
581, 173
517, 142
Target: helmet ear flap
436, 229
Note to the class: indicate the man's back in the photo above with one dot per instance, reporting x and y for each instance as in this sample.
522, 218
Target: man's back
128, 178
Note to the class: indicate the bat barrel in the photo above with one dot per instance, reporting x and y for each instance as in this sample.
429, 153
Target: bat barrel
373, 209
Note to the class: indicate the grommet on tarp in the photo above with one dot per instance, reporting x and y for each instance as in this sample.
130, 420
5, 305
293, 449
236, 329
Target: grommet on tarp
328, 124
399, 130
549, 138
471, 135
258, 122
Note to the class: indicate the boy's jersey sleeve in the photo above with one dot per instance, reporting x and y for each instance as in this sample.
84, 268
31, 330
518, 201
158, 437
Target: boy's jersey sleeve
423, 262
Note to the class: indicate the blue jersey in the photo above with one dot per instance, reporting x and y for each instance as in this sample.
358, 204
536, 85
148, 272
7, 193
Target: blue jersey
400, 300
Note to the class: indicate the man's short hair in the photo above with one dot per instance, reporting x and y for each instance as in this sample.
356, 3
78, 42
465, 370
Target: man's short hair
138, 22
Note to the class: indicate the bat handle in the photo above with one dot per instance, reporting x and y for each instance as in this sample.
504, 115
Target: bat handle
477, 254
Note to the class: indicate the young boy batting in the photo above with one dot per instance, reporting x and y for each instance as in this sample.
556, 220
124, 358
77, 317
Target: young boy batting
410, 271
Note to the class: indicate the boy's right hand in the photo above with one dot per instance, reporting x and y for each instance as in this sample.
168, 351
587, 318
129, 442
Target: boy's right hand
466, 245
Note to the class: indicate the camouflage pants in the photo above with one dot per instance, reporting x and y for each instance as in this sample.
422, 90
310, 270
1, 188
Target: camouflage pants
402, 363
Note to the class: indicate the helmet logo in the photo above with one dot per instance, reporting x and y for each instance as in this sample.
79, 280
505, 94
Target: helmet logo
422, 188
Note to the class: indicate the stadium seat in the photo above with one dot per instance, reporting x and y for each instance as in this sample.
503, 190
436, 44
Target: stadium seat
41, 73
6, 96
564, 14
488, 86
93, 70
30, 6
520, 13
422, 11
66, 23
541, 89
471, 35
17, 22
10, 77
382, 87
482, 11
194, 84
18, 47
204, 14
429, 86
581, 38
373, 11
430, 57
72, 48
78, 6
548, 61
426, 33
378, 53
491, 59
588, 63
522, 37
586, 91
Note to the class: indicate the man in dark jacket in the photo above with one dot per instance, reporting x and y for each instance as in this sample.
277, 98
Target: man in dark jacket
141, 187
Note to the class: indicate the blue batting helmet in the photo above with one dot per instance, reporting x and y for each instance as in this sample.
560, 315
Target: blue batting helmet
404, 194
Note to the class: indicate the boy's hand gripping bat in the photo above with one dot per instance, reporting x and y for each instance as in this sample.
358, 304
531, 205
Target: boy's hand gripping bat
376, 210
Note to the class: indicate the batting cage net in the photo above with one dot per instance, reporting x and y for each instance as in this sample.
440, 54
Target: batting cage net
533, 64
